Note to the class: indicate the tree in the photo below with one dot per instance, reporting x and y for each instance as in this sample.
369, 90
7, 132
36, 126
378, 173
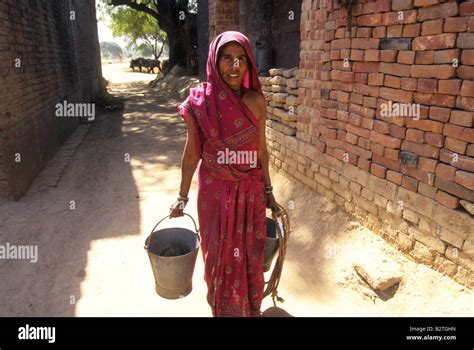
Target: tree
177, 20
139, 28
110, 49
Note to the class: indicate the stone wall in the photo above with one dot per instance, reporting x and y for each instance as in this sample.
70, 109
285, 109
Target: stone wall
49, 52
407, 176
281, 93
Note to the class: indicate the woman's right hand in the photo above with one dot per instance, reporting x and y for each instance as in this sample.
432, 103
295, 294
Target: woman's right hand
176, 210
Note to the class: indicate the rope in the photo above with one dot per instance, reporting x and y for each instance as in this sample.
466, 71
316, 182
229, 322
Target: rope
274, 281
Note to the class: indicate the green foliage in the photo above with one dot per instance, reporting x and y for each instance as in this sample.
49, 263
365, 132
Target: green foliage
110, 49
138, 28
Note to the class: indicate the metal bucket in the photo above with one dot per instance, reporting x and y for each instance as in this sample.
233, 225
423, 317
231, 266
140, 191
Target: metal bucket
173, 252
272, 244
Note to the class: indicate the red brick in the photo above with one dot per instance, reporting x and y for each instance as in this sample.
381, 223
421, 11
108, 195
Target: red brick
448, 9
376, 79
455, 24
375, 7
394, 31
408, 84
394, 177
441, 100
465, 179
370, 20
378, 170
446, 56
424, 57
457, 160
397, 131
364, 32
450, 87
434, 139
406, 57
426, 125
388, 55
468, 135
364, 164
466, 8
445, 171
411, 30
392, 153
470, 24
390, 18
462, 118
465, 41
377, 148
455, 145
439, 113
470, 150
386, 162
379, 32
420, 149
372, 67
357, 55
427, 164
381, 127
372, 55
467, 88
361, 78
391, 81
467, 57
453, 131
358, 131
370, 102
418, 174
427, 85
396, 95
340, 44
409, 183
414, 135
447, 200
359, 151
434, 71
365, 43
432, 27
424, 3
465, 103
385, 140
400, 70
351, 138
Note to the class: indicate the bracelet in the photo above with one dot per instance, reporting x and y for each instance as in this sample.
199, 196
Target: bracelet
269, 189
184, 199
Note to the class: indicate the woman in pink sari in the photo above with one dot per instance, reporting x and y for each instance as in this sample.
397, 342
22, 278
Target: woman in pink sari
226, 134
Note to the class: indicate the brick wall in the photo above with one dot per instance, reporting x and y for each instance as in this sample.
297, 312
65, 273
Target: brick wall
58, 59
408, 176
223, 16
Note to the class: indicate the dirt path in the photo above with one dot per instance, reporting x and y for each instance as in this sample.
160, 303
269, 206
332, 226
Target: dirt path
91, 258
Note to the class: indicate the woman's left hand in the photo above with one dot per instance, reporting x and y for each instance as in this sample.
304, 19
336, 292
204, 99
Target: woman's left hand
270, 202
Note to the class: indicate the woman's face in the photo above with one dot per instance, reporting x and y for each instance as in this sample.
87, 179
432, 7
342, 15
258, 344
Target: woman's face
232, 65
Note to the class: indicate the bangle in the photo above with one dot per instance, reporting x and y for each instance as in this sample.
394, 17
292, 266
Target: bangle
184, 199
269, 189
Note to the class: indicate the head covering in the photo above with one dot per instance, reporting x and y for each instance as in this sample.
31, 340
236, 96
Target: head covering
222, 119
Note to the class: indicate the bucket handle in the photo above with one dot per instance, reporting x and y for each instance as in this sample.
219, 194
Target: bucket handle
167, 216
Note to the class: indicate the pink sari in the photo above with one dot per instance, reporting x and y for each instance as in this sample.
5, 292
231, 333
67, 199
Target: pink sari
231, 200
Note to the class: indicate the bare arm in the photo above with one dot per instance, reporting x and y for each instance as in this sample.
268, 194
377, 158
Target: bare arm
262, 153
189, 162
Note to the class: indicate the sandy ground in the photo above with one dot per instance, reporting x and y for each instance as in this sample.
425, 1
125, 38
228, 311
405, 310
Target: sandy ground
91, 257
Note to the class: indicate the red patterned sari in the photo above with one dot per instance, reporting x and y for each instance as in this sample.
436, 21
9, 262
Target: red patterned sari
231, 200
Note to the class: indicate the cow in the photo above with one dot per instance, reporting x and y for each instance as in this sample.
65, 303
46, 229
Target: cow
150, 64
